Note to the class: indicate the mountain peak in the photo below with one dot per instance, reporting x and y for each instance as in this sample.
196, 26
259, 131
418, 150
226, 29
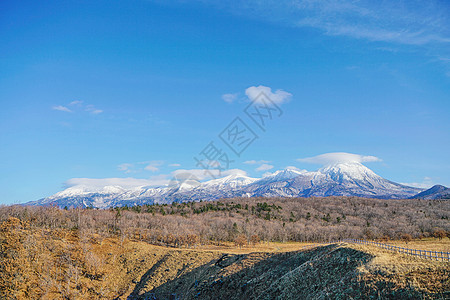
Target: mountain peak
348, 171
232, 180
337, 179
287, 171
280, 175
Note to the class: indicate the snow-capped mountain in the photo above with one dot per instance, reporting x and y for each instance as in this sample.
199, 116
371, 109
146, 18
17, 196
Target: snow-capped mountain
339, 179
280, 175
350, 179
232, 181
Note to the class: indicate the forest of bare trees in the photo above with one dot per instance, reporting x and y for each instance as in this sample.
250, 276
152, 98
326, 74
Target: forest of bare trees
269, 219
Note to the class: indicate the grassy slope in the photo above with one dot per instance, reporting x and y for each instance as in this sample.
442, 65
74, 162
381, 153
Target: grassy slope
335, 271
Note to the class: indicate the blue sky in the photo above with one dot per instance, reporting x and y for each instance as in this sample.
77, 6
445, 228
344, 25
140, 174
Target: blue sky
131, 91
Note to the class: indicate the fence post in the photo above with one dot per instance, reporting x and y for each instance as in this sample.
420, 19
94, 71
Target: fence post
426, 254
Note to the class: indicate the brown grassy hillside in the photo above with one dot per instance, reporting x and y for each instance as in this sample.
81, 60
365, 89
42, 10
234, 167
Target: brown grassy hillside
58, 264
223, 250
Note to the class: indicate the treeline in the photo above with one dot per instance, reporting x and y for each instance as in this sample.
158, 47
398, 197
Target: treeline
269, 219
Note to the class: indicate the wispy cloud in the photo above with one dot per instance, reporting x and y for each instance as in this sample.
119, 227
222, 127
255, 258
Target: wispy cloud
153, 166
201, 174
256, 162
61, 108
263, 164
175, 165
422, 24
93, 110
404, 22
76, 102
426, 183
338, 157
229, 98
77, 106
415, 22
126, 167
157, 180
264, 167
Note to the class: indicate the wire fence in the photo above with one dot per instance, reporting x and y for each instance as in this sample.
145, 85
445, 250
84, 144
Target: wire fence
426, 254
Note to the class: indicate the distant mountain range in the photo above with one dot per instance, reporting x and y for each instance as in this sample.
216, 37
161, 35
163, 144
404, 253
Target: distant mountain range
340, 179
433, 193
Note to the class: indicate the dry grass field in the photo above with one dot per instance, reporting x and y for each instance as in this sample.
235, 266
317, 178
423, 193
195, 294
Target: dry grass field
432, 244
223, 251
271, 247
58, 264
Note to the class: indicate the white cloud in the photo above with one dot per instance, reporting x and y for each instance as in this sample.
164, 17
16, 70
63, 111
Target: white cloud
127, 168
404, 24
278, 97
129, 182
264, 164
335, 157
234, 172
153, 165
256, 162
264, 167
61, 108
202, 174
174, 165
229, 98
151, 168
77, 105
426, 183
93, 110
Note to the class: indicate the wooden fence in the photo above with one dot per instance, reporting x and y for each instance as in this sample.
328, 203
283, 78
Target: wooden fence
426, 254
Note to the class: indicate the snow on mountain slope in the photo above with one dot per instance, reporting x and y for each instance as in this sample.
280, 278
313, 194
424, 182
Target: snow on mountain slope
350, 179
339, 179
280, 175
231, 181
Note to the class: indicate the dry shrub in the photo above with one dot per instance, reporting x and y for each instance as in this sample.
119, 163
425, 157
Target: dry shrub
240, 241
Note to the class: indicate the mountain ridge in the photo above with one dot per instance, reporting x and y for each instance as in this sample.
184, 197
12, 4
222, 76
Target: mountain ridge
338, 179
435, 192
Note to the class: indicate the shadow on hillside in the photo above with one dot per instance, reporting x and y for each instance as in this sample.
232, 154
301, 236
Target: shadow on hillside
324, 272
